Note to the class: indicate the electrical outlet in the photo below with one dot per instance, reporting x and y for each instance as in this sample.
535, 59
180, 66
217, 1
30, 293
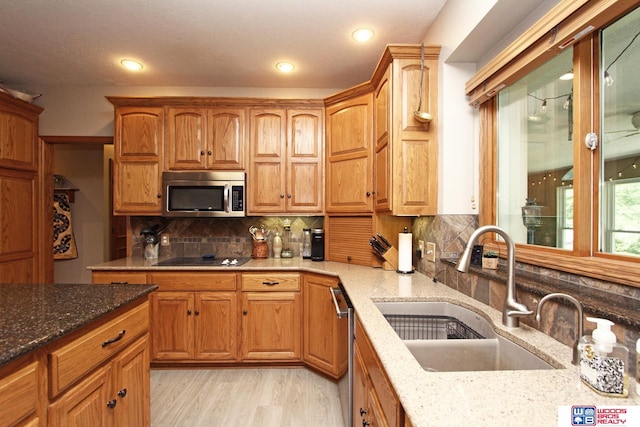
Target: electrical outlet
164, 240
420, 249
431, 251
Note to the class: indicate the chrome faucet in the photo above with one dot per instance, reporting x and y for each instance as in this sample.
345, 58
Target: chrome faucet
512, 310
576, 356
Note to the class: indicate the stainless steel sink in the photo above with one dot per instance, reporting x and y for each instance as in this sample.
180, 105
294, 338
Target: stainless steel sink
486, 351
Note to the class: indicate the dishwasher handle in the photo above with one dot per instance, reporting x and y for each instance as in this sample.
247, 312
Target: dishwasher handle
335, 293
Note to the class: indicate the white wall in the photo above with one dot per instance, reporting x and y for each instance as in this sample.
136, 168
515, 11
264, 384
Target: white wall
82, 166
84, 110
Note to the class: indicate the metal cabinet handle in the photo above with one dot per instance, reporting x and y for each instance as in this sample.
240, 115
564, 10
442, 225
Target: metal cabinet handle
244, 312
270, 283
197, 312
112, 404
112, 340
363, 412
188, 312
282, 196
119, 283
159, 196
209, 152
365, 423
335, 293
288, 196
368, 193
122, 393
202, 152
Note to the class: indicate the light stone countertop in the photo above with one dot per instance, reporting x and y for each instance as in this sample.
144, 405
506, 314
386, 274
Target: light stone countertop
492, 398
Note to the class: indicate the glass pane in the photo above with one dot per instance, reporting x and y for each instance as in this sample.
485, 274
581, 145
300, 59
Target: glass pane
620, 148
535, 155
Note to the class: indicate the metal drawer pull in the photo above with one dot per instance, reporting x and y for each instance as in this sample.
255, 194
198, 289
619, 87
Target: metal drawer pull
271, 283
112, 403
120, 283
335, 293
122, 393
112, 340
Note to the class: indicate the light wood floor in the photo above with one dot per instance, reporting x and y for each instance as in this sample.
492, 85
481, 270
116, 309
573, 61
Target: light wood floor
243, 397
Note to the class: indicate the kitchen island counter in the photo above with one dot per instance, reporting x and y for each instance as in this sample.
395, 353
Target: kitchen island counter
490, 398
33, 316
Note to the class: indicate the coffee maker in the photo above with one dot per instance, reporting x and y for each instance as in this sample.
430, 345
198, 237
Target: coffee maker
317, 244
150, 242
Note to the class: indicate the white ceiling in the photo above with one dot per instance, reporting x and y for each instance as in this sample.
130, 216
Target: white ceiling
233, 43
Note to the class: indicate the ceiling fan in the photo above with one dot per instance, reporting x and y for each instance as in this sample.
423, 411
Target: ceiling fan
635, 122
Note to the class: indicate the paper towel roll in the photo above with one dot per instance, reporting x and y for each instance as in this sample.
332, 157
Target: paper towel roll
405, 243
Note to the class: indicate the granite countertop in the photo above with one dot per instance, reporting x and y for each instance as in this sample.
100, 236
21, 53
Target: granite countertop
491, 398
35, 315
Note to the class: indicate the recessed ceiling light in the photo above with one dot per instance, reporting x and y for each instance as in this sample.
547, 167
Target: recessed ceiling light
285, 67
362, 34
567, 76
132, 65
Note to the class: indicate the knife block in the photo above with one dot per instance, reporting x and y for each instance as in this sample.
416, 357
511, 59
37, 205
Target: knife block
390, 259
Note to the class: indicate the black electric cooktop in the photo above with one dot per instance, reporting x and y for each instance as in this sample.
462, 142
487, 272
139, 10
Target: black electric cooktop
203, 261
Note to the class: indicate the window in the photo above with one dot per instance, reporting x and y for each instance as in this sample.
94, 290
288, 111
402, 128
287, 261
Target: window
567, 205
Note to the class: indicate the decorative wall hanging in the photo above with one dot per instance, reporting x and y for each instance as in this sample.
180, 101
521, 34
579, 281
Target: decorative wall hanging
64, 244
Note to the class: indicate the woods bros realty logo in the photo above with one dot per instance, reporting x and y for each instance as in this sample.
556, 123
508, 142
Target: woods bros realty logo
590, 415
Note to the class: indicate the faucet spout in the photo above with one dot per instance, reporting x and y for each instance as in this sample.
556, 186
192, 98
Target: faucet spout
513, 309
576, 356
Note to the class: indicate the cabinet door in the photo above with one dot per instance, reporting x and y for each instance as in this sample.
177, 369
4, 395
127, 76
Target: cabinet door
131, 385
360, 390
18, 135
185, 138
172, 325
382, 166
137, 170
305, 165
216, 326
267, 143
325, 336
225, 146
86, 403
271, 326
349, 177
18, 227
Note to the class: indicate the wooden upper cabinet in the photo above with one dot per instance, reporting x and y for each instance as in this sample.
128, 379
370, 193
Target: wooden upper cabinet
305, 161
185, 137
406, 151
137, 171
18, 134
205, 138
349, 175
285, 161
225, 132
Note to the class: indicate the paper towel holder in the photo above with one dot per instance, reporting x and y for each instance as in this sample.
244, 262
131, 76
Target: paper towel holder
406, 230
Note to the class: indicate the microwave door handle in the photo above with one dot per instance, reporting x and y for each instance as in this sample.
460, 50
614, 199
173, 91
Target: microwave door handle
227, 207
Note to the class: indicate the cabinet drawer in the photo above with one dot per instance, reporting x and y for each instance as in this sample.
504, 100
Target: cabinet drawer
189, 281
74, 360
270, 282
109, 277
19, 395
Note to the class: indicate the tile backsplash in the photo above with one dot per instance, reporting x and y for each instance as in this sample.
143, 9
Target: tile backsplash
222, 236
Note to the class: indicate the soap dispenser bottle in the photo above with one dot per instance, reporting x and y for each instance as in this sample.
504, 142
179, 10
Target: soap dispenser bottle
604, 363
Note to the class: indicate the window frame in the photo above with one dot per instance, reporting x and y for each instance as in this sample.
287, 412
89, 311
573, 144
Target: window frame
554, 32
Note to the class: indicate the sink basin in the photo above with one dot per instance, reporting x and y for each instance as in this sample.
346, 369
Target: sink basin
484, 350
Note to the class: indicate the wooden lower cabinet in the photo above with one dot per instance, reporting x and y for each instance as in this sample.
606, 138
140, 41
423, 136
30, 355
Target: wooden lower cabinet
271, 328
116, 394
325, 337
194, 326
21, 394
375, 402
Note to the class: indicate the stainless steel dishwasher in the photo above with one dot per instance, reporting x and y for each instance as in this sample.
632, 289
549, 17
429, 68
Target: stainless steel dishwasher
344, 310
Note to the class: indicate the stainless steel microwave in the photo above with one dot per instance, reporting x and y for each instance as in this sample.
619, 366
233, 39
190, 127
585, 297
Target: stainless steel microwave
203, 194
